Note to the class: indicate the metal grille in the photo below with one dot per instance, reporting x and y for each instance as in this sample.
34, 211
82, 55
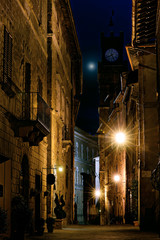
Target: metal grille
35, 108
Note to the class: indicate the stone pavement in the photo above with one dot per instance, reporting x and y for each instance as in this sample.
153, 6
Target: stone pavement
91, 232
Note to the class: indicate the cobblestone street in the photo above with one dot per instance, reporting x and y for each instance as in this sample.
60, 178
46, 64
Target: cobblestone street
125, 232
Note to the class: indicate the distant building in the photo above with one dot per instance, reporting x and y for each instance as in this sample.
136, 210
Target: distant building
86, 151
97, 181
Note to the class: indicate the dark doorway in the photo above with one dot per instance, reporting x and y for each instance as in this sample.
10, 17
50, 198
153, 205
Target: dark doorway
24, 179
37, 200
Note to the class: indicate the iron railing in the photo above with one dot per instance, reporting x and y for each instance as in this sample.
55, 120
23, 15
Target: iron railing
34, 108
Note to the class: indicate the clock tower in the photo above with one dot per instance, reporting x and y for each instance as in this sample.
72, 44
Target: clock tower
110, 68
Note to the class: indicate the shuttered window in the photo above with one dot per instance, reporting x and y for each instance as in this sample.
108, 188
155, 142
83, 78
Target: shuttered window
7, 58
145, 19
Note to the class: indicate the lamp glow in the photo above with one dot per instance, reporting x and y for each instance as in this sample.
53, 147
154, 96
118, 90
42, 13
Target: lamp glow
97, 193
116, 178
60, 169
120, 137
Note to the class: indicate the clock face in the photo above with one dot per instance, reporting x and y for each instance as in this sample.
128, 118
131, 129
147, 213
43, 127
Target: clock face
111, 55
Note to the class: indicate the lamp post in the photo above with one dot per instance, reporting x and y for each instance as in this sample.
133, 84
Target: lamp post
97, 193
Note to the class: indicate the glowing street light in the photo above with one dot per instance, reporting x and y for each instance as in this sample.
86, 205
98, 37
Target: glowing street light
116, 178
60, 169
97, 193
120, 137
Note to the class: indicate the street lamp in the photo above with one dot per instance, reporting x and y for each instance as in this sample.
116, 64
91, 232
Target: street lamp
120, 137
60, 169
116, 178
97, 193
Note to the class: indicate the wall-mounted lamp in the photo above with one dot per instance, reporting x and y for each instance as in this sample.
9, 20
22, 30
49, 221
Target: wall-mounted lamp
51, 177
60, 169
97, 193
120, 137
116, 178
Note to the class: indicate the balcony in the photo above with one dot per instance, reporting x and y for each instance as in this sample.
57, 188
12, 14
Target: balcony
33, 120
66, 137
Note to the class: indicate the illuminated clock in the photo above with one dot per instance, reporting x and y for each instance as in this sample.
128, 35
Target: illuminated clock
111, 55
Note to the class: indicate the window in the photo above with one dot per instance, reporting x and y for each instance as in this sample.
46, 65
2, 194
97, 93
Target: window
76, 150
27, 89
40, 12
87, 150
67, 114
82, 151
77, 172
66, 176
40, 86
63, 107
7, 58
82, 177
58, 96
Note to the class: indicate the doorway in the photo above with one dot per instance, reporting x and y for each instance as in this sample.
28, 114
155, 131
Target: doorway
37, 200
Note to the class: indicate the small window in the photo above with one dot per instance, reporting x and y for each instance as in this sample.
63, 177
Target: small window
76, 150
77, 173
87, 151
7, 57
82, 151
82, 180
40, 86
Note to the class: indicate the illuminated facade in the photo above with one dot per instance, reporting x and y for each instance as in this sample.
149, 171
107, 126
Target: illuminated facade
137, 112
142, 57
64, 87
40, 81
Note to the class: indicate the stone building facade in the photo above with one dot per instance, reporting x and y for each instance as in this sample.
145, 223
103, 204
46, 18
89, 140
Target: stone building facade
86, 150
142, 57
64, 87
138, 114
40, 81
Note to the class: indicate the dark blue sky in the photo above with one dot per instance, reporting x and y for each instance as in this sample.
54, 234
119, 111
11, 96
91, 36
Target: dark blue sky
91, 18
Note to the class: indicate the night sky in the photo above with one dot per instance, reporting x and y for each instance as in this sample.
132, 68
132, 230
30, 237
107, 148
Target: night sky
91, 18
